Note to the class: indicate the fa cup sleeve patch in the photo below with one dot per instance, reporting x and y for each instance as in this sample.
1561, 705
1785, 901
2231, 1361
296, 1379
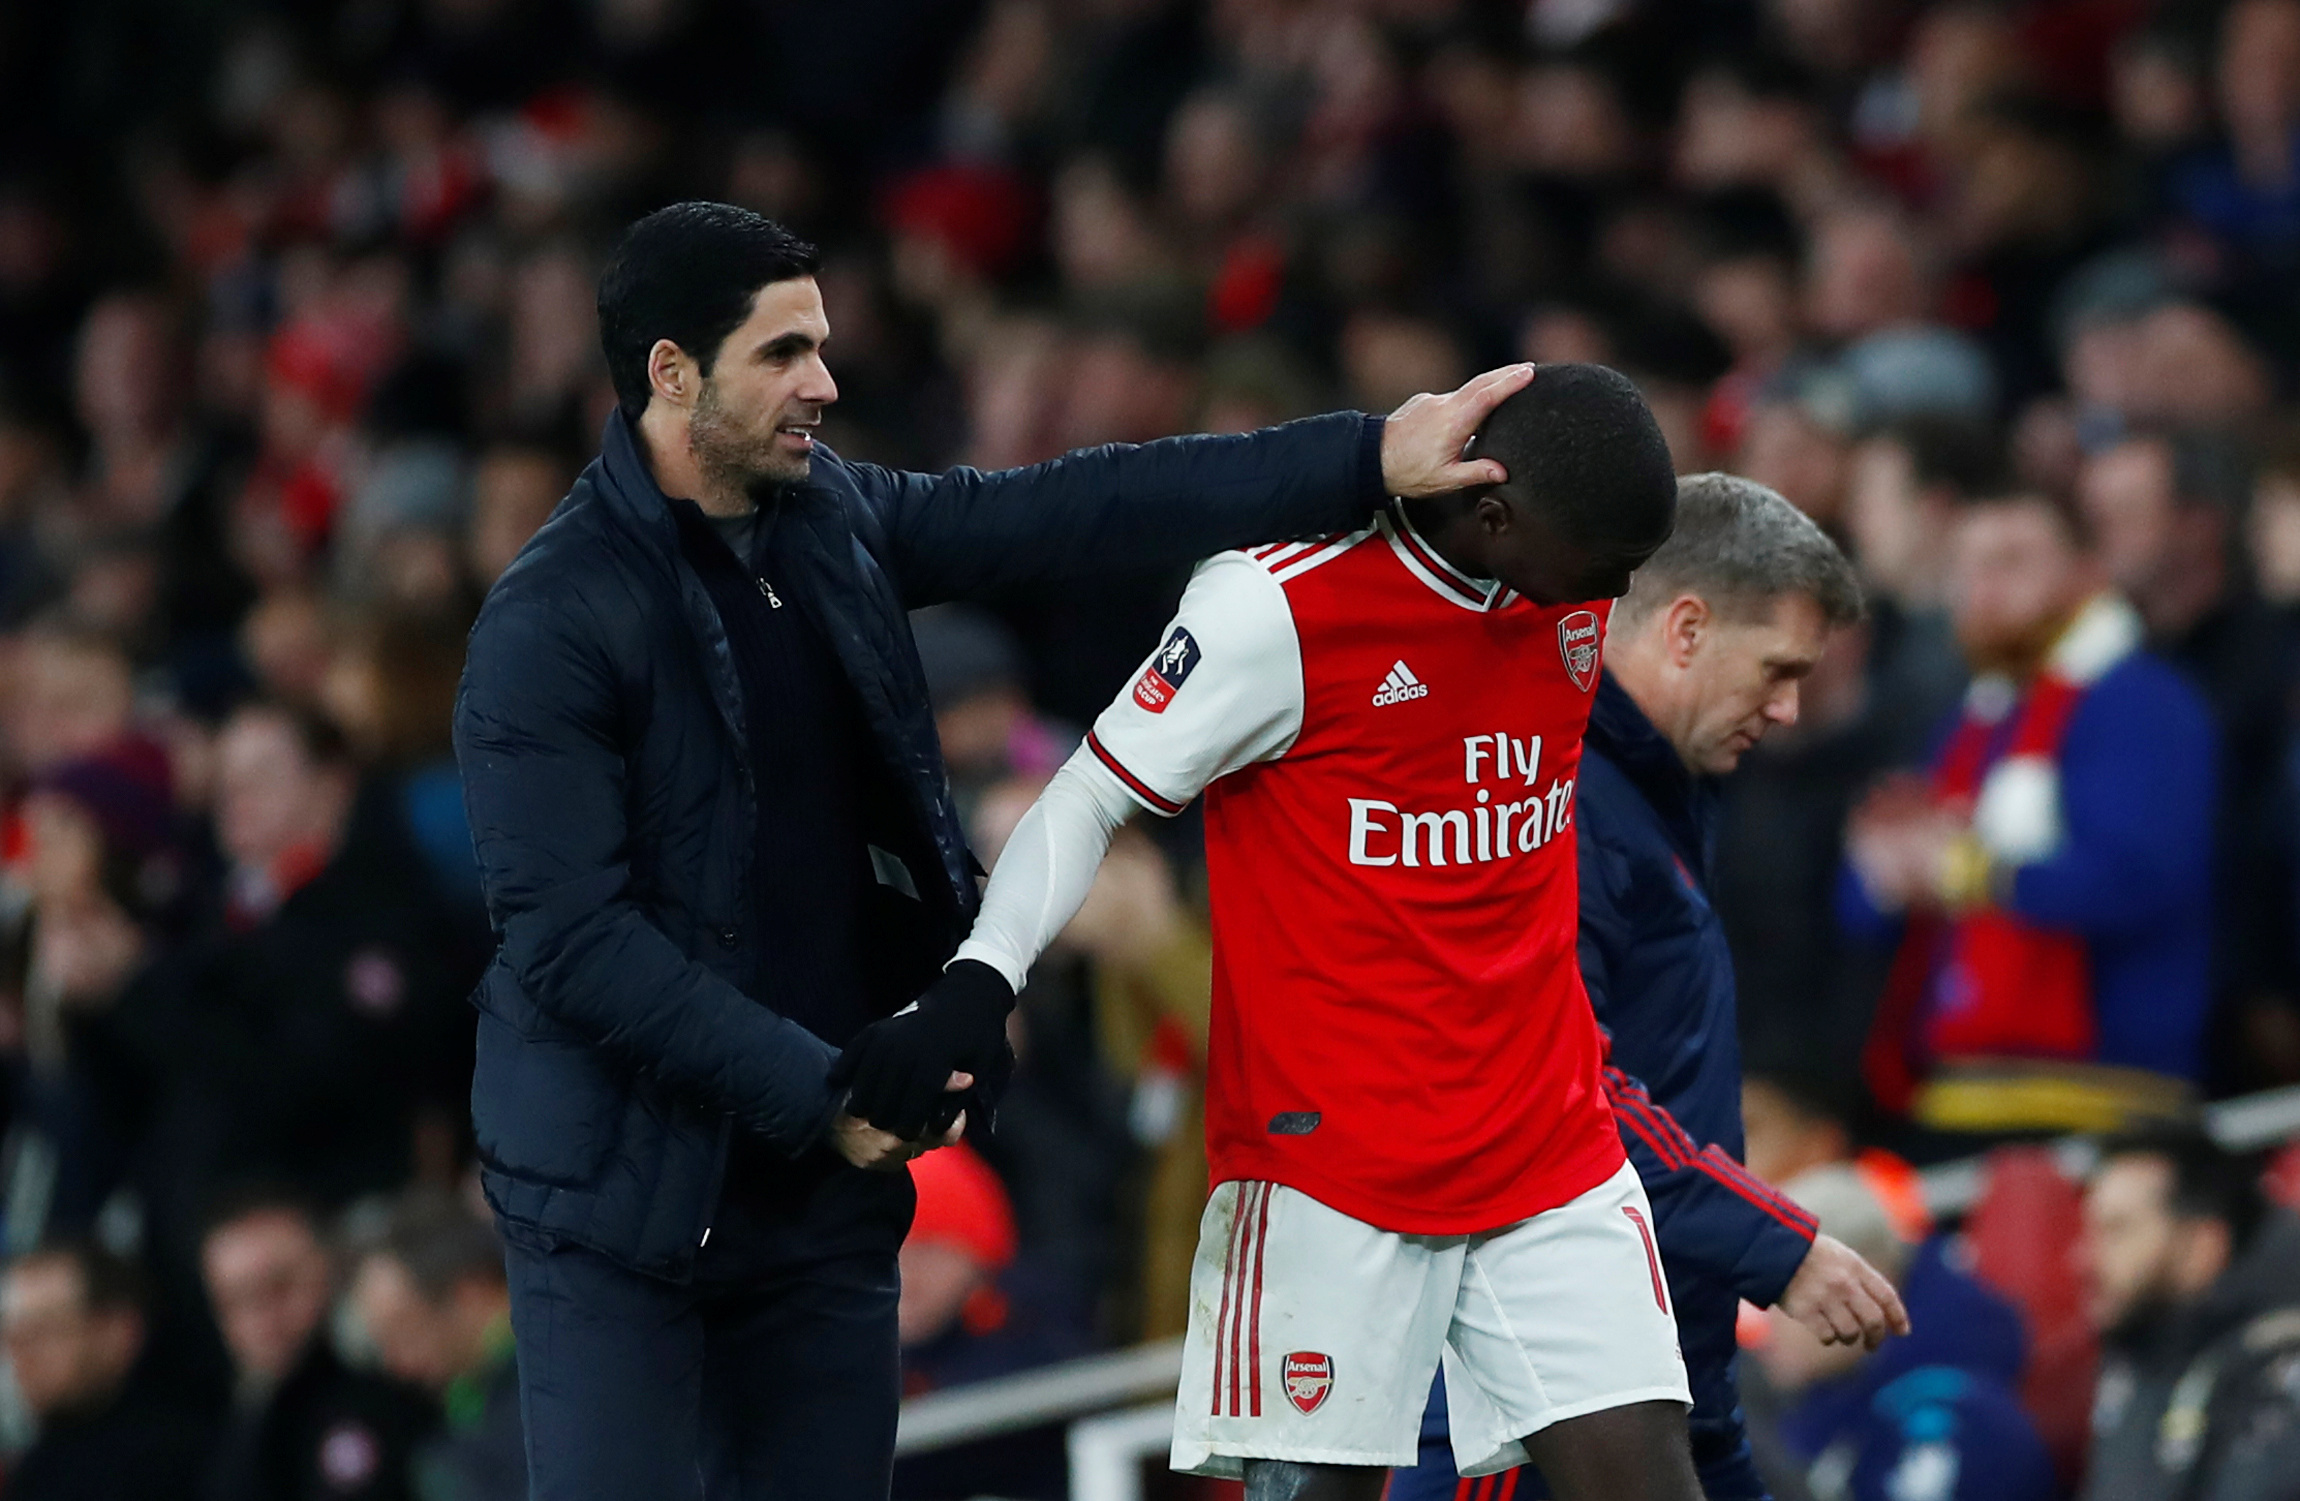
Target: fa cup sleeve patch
1167, 671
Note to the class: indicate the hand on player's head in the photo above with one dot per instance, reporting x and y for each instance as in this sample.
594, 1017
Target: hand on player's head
1423, 440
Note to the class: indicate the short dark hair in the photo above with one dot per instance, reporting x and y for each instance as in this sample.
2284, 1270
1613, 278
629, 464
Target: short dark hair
320, 738
1951, 453
109, 1282
246, 1201
440, 1244
688, 273
2209, 1182
1814, 1094
2062, 506
1581, 445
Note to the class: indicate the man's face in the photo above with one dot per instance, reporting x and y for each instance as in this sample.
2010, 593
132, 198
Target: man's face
1744, 677
2131, 1242
269, 796
1523, 549
2014, 577
755, 416
414, 1339
267, 1279
2127, 494
62, 1353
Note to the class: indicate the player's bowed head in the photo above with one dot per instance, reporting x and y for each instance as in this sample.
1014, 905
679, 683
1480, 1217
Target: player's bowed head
1591, 492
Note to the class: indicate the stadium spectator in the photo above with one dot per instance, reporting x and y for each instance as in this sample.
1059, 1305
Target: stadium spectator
514, 487
305, 1426
2245, 192
72, 1324
2049, 885
2169, 512
315, 1026
982, 705
970, 1312
431, 1295
390, 684
104, 879
2191, 1287
1870, 706
1934, 1415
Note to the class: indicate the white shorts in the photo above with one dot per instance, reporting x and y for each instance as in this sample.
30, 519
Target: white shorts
1313, 1336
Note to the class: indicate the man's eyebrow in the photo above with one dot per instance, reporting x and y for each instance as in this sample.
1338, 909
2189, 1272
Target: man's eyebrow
782, 346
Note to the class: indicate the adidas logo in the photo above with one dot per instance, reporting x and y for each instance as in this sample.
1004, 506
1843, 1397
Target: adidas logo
1400, 686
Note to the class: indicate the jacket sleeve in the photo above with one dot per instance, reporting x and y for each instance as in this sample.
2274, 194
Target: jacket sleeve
537, 734
1708, 1212
1125, 506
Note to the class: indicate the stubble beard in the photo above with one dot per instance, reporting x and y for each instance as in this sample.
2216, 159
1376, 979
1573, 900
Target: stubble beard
733, 459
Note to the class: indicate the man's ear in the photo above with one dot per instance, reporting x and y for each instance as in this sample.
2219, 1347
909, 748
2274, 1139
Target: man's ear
1684, 625
673, 375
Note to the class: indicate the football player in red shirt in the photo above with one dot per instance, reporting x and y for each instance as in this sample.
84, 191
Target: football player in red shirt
1413, 1159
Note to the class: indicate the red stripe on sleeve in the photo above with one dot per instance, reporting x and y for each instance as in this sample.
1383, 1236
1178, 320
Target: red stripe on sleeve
1658, 1129
1141, 789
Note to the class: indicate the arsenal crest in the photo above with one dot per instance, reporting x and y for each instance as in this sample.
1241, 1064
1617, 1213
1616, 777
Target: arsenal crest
1578, 635
1308, 1377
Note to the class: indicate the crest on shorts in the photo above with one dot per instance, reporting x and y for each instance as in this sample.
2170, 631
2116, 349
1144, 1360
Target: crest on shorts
1577, 637
1308, 1378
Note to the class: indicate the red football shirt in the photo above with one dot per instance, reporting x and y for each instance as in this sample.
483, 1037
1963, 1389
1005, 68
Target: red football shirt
1388, 751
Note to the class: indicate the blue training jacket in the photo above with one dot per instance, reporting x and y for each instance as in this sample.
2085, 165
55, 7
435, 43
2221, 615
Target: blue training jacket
1660, 977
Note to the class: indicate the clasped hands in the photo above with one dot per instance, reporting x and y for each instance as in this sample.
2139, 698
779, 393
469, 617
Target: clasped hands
911, 1079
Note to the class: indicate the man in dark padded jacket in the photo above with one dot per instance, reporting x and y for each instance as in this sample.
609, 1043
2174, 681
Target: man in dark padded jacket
719, 848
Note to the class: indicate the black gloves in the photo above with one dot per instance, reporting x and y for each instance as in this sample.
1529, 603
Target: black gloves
894, 1070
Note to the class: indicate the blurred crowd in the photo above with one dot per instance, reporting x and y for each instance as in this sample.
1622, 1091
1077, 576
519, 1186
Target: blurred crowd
297, 348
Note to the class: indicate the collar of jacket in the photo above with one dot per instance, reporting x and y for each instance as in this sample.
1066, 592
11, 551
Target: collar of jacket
633, 498
1685, 803
832, 558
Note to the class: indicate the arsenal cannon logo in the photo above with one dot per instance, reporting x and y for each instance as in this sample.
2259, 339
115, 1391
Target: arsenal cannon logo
1577, 638
1308, 1377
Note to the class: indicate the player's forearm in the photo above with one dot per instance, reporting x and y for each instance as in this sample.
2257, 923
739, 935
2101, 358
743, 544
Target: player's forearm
1047, 868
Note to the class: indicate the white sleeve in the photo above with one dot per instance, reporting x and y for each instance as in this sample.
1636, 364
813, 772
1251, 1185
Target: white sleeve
1046, 868
1223, 690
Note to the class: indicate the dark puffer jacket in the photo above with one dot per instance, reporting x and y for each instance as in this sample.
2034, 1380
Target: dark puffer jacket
600, 728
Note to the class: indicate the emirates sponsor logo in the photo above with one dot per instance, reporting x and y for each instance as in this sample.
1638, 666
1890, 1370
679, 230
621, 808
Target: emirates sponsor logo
1399, 686
1382, 833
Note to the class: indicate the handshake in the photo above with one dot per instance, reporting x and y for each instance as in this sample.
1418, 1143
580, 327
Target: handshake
911, 1079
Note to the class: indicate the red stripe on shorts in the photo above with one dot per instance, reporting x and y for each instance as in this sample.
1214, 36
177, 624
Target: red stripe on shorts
1229, 1273
1652, 1256
1254, 1340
